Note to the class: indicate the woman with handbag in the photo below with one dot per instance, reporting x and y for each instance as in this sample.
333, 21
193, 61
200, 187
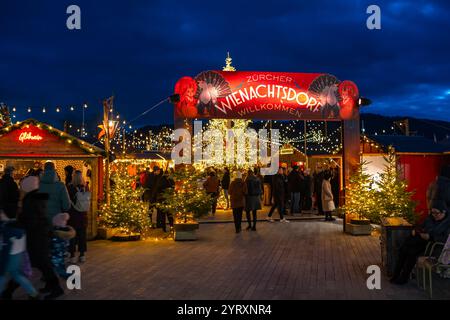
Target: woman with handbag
327, 197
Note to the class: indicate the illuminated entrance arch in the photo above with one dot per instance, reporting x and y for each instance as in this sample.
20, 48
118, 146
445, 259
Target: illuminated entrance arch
273, 96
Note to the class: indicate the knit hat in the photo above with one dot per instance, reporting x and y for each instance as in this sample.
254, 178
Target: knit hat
60, 220
29, 183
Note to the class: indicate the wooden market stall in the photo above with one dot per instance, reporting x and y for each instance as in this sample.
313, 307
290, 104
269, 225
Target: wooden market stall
419, 159
30, 143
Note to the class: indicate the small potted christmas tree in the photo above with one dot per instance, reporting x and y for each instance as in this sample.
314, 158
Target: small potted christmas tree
127, 214
187, 201
394, 201
360, 202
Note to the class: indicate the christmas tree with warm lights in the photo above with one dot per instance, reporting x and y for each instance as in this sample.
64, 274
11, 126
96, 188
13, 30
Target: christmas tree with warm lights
360, 197
127, 211
393, 198
187, 201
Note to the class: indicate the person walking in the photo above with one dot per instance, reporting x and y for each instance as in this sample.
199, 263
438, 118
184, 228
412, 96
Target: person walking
59, 200
327, 197
237, 191
225, 184
278, 193
253, 198
294, 187
78, 217
34, 218
9, 193
12, 254
211, 186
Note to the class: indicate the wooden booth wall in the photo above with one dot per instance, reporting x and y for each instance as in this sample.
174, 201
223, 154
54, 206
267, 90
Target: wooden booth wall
419, 171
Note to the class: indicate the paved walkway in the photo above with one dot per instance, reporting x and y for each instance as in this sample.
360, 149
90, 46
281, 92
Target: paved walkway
299, 260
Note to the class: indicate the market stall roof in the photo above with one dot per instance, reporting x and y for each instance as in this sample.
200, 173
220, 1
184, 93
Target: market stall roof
408, 144
31, 138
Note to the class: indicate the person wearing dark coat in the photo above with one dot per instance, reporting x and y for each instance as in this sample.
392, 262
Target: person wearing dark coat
35, 221
237, 191
225, 183
306, 193
9, 193
253, 195
436, 228
78, 220
294, 187
278, 192
318, 179
68, 171
159, 183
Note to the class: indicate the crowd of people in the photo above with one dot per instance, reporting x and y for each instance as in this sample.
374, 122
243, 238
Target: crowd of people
291, 191
43, 223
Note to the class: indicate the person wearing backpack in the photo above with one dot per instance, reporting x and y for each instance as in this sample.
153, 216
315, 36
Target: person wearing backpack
80, 202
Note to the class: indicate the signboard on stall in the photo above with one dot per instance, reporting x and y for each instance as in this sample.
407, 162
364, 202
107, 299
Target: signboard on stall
266, 95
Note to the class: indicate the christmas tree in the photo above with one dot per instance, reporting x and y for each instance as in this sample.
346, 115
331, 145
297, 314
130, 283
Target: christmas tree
393, 198
127, 211
360, 198
187, 201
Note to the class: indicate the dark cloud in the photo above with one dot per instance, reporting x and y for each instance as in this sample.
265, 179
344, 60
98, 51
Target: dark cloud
138, 49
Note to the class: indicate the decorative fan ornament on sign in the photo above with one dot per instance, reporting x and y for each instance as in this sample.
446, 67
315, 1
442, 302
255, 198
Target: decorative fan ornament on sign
325, 90
211, 86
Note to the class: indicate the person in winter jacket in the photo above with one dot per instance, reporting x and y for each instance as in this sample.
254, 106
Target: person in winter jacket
295, 181
12, 254
327, 197
78, 220
237, 191
253, 195
59, 242
436, 228
9, 193
211, 186
34, 219
278, 194
59, 200
225, 183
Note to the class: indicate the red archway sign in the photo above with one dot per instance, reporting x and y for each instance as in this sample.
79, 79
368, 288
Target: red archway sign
266, 95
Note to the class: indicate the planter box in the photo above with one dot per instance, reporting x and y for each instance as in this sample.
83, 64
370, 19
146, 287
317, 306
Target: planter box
106, 233
126, 237
358, 229
185, 231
